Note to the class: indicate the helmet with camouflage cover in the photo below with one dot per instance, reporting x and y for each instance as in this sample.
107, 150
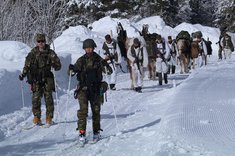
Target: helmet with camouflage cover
40, 37
89, 43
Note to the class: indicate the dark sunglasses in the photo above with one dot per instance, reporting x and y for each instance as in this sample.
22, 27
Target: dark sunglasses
41, 41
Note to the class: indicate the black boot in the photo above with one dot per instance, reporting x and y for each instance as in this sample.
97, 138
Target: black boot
169, 69
159, 78
173, 69
165, 78
138, 89
112, 87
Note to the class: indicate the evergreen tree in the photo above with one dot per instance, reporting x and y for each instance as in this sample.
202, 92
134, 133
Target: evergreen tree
171, 9
184, 11
224, 15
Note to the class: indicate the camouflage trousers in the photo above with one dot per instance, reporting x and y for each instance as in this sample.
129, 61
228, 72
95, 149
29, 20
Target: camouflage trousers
95, 103
220, 53
38, 93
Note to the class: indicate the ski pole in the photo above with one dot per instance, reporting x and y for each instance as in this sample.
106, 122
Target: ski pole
114, 111
56, 94
22, 94
67, 101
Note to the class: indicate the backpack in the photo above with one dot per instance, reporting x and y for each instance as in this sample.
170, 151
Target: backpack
183, 35
198, 34
208, 47
91, 76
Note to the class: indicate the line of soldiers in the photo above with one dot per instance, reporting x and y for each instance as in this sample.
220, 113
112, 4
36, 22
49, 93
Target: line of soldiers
160, 58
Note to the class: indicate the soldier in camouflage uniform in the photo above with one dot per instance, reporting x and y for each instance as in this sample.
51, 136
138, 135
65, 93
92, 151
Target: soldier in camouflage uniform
89, 70
113, 56
227, 46
37, 68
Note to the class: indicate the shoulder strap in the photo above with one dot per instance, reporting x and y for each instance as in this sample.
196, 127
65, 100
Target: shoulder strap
133, 52
142, 52
114, 45
106, 48
163, 45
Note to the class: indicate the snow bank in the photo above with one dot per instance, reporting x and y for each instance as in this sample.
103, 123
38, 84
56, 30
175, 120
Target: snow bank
10, 92
12, 54
12, 61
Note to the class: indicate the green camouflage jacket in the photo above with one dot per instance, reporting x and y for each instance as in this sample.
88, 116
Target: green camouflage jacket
89, 69
38, 65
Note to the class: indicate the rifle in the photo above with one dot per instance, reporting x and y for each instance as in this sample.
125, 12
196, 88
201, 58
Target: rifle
137, 61
138, 64
111, 57
121, 68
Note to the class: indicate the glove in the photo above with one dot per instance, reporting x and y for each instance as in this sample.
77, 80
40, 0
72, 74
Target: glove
71, 67
53, 57
110, 71
70, 70
21, 77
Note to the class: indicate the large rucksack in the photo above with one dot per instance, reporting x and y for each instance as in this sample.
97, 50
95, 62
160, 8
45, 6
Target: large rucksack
198, 34
208, 47
183, 35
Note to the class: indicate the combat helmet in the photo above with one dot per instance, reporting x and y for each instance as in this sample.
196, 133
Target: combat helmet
89, 43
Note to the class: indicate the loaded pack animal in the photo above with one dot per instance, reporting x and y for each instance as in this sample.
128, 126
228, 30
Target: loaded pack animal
150, 43
184, 50
194, 52
204, 48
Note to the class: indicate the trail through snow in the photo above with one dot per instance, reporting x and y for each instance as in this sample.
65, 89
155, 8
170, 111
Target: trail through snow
194, 118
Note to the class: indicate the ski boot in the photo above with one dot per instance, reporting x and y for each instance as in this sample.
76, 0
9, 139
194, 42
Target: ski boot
37, 120
96, 137
82, 138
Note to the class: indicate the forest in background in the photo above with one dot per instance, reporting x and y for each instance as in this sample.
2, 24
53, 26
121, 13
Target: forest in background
21, 20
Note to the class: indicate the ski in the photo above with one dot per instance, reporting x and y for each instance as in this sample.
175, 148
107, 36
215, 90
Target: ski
48, 125
32, 126
29, 127
82, 143
95, 139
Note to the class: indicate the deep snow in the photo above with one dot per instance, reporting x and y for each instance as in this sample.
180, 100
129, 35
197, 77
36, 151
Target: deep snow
193, 118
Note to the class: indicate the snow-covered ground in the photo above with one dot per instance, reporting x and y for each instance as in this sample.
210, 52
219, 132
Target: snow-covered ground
193, 115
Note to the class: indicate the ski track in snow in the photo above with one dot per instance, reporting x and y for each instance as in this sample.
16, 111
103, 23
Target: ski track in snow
205, 116
38, 139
